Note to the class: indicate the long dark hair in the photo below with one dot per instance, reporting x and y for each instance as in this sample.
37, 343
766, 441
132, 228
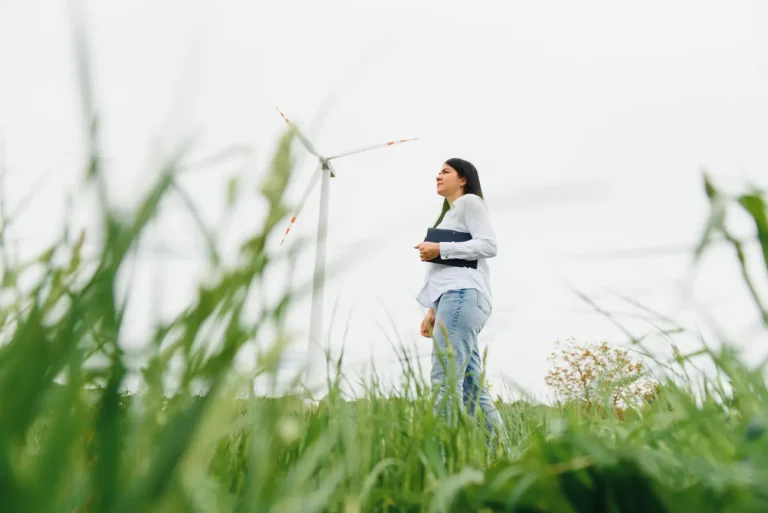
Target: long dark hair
467, 171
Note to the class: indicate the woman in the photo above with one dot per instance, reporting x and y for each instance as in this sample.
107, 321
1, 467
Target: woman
459, 298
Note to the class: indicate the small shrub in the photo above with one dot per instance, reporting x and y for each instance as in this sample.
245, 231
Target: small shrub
588, 373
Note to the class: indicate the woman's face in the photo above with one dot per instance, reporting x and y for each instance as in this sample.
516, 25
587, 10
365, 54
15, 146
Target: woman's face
449, 183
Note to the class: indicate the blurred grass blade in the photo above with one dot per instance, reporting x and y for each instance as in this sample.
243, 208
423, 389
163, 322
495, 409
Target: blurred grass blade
451, 486
755, 205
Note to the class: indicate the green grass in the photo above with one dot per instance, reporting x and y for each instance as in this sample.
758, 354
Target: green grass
72, 441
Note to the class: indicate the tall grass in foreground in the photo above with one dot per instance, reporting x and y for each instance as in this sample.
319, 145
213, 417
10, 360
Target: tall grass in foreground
70, 441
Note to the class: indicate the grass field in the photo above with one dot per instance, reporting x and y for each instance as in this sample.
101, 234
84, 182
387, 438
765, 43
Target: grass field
71, 441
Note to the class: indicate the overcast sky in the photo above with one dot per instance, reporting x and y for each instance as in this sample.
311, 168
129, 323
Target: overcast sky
589, 122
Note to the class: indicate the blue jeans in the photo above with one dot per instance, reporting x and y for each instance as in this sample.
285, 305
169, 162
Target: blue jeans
456, 365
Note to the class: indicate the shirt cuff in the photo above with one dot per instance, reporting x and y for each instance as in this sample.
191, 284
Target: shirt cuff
446, 248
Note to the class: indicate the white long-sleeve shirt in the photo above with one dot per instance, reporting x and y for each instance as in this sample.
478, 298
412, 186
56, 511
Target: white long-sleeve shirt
467, 214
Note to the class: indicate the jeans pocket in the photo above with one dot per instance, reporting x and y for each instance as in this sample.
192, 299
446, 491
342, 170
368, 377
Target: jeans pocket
483, 304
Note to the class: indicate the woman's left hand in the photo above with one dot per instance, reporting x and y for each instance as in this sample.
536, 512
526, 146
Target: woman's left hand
428, 250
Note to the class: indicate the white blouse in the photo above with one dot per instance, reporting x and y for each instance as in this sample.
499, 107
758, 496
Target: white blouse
467, 214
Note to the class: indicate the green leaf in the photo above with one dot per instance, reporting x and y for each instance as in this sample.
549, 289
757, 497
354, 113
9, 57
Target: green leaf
755, 205
716, 218
233, 185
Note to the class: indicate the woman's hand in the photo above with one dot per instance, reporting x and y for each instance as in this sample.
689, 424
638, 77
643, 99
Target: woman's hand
427, 325
428, 250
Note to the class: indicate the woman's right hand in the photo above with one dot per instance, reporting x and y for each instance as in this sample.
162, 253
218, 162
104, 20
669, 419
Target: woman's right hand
428, 324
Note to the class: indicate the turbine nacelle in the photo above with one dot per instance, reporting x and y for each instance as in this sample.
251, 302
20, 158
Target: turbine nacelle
326, 166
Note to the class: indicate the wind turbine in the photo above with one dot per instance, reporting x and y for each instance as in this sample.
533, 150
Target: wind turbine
316, 356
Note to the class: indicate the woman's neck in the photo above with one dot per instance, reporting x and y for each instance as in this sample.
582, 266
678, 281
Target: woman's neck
452, 199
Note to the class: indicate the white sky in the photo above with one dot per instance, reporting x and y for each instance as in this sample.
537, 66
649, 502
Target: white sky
612, 110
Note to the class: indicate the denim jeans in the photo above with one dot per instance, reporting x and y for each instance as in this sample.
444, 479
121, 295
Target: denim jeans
461, 314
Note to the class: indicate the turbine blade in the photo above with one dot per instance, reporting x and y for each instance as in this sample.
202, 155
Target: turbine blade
311, 185
308, 145
372, 147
